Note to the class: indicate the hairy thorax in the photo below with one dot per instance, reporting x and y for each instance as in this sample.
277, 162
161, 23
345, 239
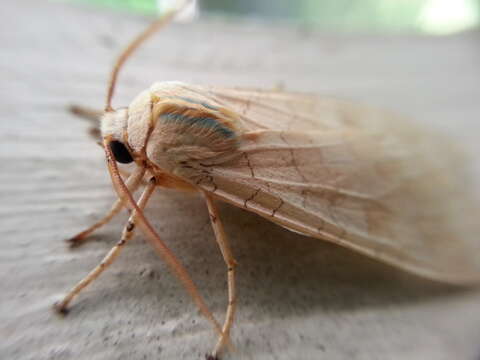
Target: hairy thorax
189, 133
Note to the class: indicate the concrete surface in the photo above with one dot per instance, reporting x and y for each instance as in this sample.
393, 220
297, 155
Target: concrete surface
299, 298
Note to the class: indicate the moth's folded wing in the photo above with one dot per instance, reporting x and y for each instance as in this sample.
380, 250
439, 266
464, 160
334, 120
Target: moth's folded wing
365, 180
278, 110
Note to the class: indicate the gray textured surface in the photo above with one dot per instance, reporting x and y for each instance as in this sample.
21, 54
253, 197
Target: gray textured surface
299, 298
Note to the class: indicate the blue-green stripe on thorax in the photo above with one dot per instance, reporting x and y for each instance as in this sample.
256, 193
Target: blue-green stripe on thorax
205, 122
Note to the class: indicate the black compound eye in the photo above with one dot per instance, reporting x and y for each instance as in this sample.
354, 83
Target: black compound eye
120, 152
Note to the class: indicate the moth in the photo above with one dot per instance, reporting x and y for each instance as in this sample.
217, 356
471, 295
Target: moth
331, 169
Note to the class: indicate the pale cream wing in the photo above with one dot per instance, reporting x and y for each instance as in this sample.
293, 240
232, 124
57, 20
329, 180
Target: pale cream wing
264, 109
279, 110
355, 176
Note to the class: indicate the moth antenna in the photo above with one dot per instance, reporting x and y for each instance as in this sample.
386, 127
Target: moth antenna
134, 44
161, 248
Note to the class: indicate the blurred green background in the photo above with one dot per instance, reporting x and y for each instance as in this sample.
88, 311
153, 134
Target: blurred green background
424, 16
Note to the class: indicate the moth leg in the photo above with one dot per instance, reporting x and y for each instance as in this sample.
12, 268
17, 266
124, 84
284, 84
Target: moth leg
127, 234
133, 182
86, 112
126, 174
93, 116
230, 262
82, 236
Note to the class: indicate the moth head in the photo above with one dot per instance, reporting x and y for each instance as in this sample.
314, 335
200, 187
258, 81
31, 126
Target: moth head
113, 127
127, 128
125, 131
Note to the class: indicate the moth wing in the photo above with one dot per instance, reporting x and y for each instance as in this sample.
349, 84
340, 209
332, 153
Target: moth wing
353, 175
286, 111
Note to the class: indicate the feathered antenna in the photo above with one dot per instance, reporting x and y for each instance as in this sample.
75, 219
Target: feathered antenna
125, 54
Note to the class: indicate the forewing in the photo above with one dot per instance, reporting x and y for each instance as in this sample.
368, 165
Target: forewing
284, 111
355, 176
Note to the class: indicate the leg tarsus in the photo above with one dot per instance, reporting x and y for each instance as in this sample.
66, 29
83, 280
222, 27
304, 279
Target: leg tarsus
78, 240
134, 180
127, 233
82, 237
61, 310
211, 357
93, 115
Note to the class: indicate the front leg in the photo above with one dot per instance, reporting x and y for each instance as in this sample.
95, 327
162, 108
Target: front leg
93, 116
133, 182
127, 233
230, 262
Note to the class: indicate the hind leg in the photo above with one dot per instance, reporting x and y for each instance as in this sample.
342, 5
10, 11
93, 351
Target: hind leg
230, 263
